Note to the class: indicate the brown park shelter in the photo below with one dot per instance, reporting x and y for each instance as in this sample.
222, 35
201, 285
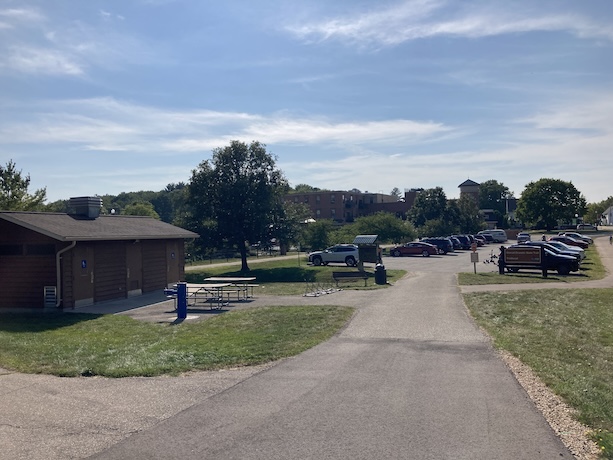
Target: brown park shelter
72, 260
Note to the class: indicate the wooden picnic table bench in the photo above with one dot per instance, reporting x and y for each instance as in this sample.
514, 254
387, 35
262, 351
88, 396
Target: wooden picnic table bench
240, 285
341, 276
202, 294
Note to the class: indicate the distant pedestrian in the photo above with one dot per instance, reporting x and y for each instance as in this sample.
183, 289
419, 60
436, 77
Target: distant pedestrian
610, 239
544, 237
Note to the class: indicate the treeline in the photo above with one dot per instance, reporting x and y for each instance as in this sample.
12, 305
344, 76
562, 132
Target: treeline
237, 199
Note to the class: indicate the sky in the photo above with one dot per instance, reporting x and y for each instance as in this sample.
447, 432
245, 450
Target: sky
104, 97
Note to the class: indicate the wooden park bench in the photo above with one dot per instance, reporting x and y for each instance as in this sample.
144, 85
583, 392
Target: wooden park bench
344, 276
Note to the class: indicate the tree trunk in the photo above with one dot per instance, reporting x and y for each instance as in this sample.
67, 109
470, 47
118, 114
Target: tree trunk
243, 252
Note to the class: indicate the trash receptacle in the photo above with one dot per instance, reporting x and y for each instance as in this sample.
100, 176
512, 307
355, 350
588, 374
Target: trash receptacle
380, 274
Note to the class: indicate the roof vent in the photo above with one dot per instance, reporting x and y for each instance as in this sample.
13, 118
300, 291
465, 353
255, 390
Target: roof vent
86, 206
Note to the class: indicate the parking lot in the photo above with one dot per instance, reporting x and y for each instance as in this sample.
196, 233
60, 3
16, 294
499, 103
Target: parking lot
453, 262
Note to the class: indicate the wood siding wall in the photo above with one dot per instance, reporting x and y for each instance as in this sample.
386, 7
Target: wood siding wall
154, 265
110, 272
23, 276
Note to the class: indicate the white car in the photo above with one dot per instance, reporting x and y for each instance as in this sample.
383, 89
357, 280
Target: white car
499, 235
568, 248
523, 237
339, 253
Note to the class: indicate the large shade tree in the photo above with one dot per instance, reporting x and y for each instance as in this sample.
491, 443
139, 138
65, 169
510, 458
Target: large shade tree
388, 227
429, 204
493, 195
545, 202
14, 194
235, 195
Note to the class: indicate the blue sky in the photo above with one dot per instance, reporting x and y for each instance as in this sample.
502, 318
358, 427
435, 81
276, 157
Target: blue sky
103, 97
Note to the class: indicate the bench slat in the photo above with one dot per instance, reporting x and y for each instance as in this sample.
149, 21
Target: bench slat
340, 276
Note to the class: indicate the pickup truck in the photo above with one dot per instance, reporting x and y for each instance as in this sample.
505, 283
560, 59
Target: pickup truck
526, 257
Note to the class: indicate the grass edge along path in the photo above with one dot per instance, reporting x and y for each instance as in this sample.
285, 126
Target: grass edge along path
118, 346
566, 338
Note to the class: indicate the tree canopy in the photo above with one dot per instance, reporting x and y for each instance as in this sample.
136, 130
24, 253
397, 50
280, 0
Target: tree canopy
235, 194
14, 194
595, 210
429, 204
142, 208
547, 201
304, 188
493, 195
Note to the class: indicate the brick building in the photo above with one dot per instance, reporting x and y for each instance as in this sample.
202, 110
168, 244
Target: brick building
345, 206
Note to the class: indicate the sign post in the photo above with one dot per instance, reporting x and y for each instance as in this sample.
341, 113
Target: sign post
474, 256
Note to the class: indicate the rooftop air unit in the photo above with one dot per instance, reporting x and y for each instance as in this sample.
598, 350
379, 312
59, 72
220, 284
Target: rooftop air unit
86, 206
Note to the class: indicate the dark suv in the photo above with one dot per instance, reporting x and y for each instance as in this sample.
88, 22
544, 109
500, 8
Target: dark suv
464, 241
444, 245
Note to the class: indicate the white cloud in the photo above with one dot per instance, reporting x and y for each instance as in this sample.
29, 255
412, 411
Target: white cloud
40, 61
107, 124
417, 19
590, 115
21, 15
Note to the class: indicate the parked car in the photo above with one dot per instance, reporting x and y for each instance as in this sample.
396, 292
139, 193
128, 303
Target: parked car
339, 253
570, 241
414, 248
489, 238
566, 247
482, 239
464, 241
578, 236
587, 227
522, 237
474, 239
457, 244
553, 248
499, 235
444, 245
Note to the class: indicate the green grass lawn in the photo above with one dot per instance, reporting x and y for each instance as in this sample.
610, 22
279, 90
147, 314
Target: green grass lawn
566, 337
118, 346
289, 276
591, 269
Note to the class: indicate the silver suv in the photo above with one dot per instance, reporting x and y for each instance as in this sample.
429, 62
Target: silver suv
339, 253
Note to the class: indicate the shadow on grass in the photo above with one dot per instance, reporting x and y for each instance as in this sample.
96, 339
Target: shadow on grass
41, 321
267, 275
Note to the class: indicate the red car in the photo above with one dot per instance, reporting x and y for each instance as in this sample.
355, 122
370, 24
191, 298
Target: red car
416, 248
570, 241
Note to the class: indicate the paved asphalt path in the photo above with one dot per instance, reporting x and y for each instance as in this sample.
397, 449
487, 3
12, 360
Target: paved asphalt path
411, 377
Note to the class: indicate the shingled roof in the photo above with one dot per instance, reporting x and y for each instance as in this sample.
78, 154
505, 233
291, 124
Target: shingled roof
468, 183
65, 227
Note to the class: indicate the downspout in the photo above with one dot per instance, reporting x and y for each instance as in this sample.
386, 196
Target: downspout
58, 272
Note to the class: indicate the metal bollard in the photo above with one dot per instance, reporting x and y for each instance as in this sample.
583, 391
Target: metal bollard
181, 300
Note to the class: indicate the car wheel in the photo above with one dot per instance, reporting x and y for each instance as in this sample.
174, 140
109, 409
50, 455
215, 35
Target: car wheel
563, 270
396, 253
441, 251
425, 253
350, 261
317, 261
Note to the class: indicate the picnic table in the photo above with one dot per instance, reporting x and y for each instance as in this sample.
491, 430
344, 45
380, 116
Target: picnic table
211, 294
242, 285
